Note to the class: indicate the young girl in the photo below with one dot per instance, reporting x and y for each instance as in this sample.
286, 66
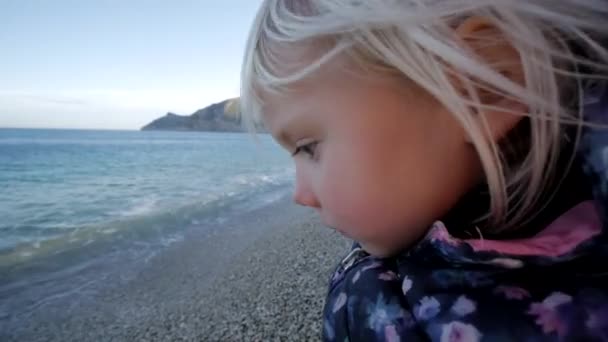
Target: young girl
461, 144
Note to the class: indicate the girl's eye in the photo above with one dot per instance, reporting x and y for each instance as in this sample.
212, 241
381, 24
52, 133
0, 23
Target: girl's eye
308, 149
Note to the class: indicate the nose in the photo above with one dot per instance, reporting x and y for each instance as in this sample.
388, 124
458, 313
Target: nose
303, 193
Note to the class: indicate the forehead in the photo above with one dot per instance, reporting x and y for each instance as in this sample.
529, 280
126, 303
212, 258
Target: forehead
338, 84
302, 92
279, 111
327, 99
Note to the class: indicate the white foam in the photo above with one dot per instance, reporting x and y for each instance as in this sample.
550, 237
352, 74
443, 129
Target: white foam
258, 179
169, 240
109, 231
139, 207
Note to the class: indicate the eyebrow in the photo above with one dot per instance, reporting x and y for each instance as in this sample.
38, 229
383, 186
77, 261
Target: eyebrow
283, 134
285, 139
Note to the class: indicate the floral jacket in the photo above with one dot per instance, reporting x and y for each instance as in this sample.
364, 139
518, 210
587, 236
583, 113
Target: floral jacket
550, 287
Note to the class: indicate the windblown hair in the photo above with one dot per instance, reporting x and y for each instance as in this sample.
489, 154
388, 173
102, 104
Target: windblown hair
561, 44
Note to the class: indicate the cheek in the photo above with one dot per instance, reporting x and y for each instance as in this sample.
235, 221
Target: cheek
370, 214
373, 195
358, 193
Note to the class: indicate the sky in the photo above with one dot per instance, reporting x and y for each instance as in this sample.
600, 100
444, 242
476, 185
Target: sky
117, 64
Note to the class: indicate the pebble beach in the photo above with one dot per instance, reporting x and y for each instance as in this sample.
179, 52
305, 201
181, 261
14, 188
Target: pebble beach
259, 276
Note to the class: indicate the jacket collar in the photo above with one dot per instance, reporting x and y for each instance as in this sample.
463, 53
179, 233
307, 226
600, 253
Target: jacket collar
577, 232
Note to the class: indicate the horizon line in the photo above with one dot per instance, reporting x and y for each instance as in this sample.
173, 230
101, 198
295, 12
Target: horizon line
70, 128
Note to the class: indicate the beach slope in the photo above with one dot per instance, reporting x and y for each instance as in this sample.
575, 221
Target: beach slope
259, 276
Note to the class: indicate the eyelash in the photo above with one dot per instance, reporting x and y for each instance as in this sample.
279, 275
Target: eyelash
309, 149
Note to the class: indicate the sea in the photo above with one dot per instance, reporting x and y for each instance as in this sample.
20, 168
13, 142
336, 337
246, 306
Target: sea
83, 194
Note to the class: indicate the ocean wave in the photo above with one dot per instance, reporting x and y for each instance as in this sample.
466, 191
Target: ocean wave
146, 220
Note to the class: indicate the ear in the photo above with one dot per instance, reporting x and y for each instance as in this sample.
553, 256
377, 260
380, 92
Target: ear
491, 47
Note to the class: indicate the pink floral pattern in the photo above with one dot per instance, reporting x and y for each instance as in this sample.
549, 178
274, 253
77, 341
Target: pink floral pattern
512, 292
463, 306
546, 313
388, 276
390, 333
459, 332
440, 233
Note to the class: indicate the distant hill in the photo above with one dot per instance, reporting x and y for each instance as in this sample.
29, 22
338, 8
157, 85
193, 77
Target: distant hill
219, 117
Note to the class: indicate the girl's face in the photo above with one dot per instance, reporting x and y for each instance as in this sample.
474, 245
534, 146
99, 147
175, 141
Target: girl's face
377, 158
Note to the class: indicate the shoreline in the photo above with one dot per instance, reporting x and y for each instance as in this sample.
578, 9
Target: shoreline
260, 275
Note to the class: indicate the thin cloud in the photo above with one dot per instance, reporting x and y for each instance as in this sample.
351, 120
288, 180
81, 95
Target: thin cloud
53, 100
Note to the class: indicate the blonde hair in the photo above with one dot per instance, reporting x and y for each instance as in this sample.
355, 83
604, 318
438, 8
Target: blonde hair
416, 38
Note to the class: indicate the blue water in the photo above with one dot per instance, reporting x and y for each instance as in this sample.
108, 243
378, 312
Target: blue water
66, 188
